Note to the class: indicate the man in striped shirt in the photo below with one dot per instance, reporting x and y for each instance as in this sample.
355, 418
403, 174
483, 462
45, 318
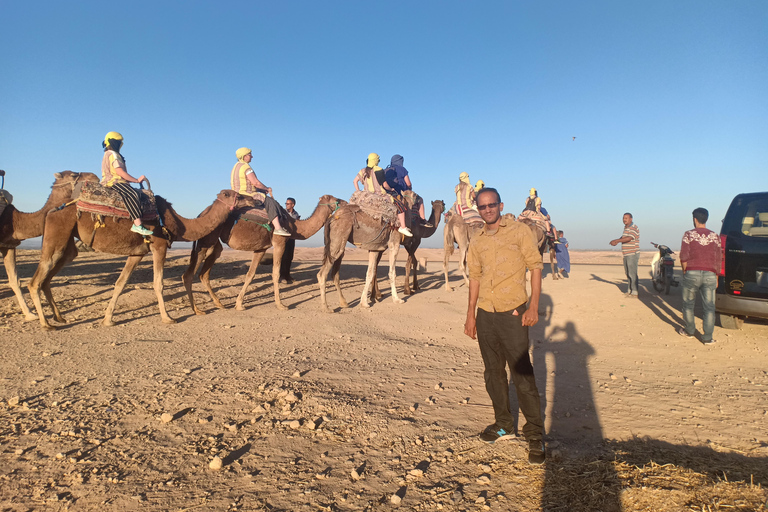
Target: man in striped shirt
630, 248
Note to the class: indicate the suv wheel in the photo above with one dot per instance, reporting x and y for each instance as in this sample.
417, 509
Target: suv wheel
730, 321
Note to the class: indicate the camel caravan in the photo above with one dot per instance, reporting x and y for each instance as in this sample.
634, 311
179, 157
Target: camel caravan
109, 215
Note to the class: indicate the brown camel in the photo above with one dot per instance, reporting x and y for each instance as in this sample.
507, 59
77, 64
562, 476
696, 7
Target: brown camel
16, 226
351, 224
411, 244
250, 236
61, 228
457, 232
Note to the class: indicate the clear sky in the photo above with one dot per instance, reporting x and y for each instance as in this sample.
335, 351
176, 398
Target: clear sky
668, 101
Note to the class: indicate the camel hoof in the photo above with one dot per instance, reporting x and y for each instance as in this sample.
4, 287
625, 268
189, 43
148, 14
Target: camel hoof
281, 307
29, 317
107, 323
169, 320
365, 305
398, 301
200, 312
48, 327
240, 307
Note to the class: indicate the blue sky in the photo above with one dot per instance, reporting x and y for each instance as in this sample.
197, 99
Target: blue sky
667, 101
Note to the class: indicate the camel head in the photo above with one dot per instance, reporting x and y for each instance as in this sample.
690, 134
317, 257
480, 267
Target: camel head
438, 206
72, 178
234, 200
332, 202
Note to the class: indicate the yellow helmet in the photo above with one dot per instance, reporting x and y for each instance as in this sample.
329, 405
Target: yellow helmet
373, 160
242, 152
533, 192
479, 185
113, 140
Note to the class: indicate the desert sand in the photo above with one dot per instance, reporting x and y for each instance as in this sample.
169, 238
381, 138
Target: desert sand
369, 409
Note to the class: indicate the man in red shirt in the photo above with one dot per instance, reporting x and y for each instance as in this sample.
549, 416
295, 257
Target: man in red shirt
700, 257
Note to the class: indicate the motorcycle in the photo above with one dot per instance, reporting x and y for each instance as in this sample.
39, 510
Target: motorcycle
663, 269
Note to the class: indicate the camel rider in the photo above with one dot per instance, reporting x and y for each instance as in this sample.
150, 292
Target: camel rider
367, 176
533, 204
399, 175
115, 176
465, 195
244, 181
479, 186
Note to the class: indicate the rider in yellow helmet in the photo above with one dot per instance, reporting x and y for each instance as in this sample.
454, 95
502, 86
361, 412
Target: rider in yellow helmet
244, 181
115, 176
465, 195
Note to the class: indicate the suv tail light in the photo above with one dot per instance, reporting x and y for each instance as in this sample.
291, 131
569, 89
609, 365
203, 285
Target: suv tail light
723, 239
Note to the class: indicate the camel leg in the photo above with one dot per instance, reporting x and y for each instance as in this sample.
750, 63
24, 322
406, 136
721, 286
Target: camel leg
257, 255
9, 258
446, 257
52, 258
210, 257
394, 248
375, 291
130, 264
415, 269
463, 264
277, 256
553, 264
337, 282
159, 252
369, 276
321, 276
189, 274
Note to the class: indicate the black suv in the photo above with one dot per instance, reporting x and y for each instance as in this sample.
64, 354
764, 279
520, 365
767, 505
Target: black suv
742, 288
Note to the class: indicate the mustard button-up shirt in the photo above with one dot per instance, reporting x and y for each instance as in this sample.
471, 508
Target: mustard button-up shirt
498, 261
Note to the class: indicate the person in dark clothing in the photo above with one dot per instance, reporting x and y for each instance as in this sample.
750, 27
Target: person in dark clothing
397, 177
290, 244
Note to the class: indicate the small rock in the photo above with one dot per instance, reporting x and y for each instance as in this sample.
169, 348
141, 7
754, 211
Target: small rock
215, 464
13, 402
416, 473
19, 451
296, 374
696, 382
395, 499
59, 455
484, 480
613, 377
485, 467
355, 475
166, 418
295, 424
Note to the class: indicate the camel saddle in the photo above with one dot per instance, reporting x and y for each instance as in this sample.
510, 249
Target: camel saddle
5, 200
471, 217
97, 199
259, 213
536, 217
377, 206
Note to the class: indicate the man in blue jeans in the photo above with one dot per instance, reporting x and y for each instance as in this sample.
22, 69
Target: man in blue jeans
701, 257
630, 248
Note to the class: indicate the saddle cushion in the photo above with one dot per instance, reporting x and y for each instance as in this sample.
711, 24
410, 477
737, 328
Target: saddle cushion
97, 199
258, 215
377, 206
536, 217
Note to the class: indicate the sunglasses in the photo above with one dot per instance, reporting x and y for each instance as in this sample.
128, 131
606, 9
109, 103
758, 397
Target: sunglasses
482, 207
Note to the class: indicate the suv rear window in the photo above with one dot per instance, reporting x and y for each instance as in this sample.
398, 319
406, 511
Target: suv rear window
748, 216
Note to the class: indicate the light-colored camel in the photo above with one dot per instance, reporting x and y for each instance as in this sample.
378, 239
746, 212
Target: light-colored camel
16, 226
61, 228
351, 224
411, 244
250, 236
457, 232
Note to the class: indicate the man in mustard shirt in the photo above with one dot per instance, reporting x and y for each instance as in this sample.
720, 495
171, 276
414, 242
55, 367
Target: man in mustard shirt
498, 258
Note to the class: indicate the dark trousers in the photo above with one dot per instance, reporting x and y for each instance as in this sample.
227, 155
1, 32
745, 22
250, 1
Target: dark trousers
285, 263
503, 341
130, 197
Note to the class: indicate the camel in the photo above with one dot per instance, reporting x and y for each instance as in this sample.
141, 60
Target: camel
250, 236
410, 245
351, 224
61, 228
458, 232
543, 243
16, 226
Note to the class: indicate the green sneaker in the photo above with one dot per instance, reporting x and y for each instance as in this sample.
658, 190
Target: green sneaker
141, 230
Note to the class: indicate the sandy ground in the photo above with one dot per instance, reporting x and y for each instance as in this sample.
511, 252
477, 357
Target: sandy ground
366, 409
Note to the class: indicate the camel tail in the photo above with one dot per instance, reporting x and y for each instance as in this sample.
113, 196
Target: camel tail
448, 240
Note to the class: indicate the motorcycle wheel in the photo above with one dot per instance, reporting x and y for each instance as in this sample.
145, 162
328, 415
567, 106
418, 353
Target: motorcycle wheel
657, 283
667, 283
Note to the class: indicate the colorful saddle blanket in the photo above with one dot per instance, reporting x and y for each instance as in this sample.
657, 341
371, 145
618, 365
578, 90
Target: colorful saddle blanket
377, 206
471, 217
536, 217
98, 199
257, 215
